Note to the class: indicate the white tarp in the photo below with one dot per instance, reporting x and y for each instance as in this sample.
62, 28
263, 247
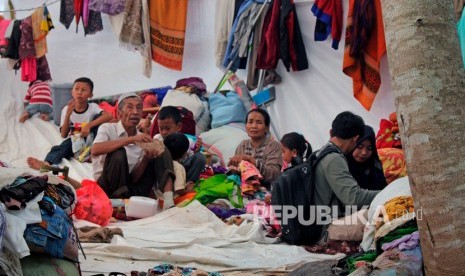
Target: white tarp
192, 236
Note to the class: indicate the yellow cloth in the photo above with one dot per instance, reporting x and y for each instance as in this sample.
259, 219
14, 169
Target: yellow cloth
396, 208
167, 31
40, 43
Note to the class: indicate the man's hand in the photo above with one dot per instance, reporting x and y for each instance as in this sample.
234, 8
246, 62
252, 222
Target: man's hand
141, 138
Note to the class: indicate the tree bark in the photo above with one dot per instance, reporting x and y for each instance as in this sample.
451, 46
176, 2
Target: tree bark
429, 84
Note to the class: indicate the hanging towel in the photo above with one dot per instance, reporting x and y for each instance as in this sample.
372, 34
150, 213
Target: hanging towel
168, 31
364, 48
131, 36
329, 20
66, 12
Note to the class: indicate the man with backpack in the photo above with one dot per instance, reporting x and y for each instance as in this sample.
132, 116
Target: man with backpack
322, 187
334, 184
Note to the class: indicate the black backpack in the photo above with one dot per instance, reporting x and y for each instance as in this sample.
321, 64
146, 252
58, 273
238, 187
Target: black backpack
294, 187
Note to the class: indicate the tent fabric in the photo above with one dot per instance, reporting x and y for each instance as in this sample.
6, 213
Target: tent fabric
315, 95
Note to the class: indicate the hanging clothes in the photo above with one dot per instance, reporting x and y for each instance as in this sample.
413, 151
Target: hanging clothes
110, 7
224, 17
329, 20
40, 43
168, 30
66, 12
241, 31
292, 48
268, 53
4, 23
364, 48
131, 35
282, 38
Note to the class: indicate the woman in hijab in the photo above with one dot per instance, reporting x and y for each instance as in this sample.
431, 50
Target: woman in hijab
364, 163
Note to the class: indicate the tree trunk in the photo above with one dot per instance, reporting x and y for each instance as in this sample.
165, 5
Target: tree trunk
429, 84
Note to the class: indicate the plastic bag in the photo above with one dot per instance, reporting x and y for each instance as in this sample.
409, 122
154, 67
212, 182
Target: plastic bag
93, 203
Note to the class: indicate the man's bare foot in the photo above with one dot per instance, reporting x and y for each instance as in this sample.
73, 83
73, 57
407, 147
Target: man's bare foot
23, 117
45, 117
35, 163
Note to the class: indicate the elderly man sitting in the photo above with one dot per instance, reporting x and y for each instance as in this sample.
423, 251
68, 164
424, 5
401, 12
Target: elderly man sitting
127, 162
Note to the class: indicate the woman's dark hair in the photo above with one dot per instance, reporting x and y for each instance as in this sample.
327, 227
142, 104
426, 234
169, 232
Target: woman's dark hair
294, 140
265, 115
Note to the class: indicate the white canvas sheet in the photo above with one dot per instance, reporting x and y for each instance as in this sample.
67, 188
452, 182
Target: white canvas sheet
192, 236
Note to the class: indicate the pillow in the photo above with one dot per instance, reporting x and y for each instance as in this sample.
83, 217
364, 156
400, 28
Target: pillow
224, 140
399, 187
192, 102
348, 228
226, 109
393, 161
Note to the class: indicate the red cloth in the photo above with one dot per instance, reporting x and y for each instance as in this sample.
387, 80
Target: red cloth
39, 93
268, 53
329, 13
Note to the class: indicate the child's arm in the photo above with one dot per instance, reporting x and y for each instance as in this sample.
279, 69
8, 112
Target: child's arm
105, 117
64, 128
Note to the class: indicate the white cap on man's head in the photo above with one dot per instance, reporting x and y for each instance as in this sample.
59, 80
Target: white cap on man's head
127, 95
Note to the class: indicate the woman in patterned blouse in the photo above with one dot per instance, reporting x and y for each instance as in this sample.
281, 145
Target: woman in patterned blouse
261, 150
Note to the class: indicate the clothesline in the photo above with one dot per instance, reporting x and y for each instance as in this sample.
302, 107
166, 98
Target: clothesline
31, 9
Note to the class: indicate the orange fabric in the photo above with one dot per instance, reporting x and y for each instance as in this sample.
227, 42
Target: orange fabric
393, 161
40, 43
365, 84
168, 31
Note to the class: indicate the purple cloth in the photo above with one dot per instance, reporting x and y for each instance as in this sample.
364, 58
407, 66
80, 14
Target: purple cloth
225, 213
111, 7
407, 242
193, 82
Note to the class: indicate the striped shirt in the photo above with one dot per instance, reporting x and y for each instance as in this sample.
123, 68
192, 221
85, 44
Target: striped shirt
39, 93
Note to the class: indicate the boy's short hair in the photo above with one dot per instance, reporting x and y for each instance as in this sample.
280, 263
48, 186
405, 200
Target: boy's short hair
347, 125
168, 112
86, 80
177, 144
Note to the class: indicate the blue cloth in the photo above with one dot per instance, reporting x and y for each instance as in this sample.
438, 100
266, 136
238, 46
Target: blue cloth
226, 109
461, 32
161, 92
53, 238
230, 54
42, 108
